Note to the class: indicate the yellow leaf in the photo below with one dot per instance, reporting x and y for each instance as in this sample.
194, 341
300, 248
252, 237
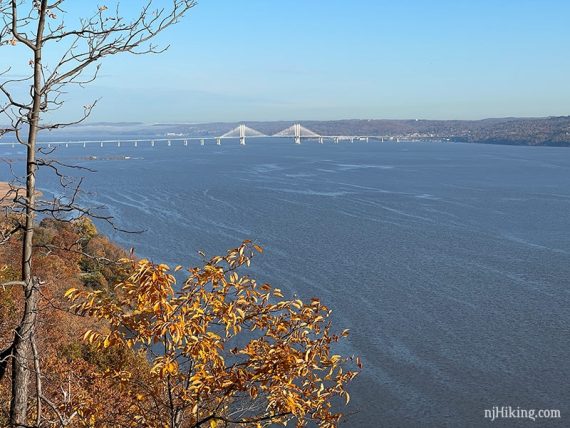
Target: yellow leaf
171, 367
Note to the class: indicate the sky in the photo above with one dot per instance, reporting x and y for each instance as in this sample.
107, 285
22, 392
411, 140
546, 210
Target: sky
234, 60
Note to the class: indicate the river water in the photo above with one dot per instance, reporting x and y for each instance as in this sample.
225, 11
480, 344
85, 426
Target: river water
449, 263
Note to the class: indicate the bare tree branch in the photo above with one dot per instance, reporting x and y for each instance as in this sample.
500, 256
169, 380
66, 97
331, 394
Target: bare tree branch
39, 27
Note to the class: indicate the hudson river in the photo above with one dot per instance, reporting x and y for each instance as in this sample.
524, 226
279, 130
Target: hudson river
449, 263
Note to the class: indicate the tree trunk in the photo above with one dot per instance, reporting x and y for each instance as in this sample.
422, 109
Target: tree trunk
22, 354
23, 358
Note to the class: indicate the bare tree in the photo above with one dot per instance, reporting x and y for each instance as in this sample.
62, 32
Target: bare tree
40, 27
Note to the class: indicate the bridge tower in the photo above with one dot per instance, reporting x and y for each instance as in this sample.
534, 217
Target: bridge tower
242, 135
297, 133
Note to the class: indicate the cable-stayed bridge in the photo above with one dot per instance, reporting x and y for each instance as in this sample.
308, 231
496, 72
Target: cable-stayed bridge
241, 133
297, 131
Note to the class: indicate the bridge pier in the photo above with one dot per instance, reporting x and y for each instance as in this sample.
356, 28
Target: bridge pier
136, 143
101, 143
118, 144
321, 140
335, 140
185, 142
218, 141
152, 143
169, 143
202, 142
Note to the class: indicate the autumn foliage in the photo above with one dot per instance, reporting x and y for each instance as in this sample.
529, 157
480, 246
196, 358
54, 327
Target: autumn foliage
124, 344
69, 367
223, 349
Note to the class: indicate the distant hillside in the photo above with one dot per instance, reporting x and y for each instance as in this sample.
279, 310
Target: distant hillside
550, 131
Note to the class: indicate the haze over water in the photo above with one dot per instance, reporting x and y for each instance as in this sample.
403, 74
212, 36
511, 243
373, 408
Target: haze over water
449, 263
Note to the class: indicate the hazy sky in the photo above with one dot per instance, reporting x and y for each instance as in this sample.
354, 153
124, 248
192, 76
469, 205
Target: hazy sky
329, 59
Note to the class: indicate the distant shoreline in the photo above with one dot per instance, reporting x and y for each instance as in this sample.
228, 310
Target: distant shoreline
546, 131
5, 188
